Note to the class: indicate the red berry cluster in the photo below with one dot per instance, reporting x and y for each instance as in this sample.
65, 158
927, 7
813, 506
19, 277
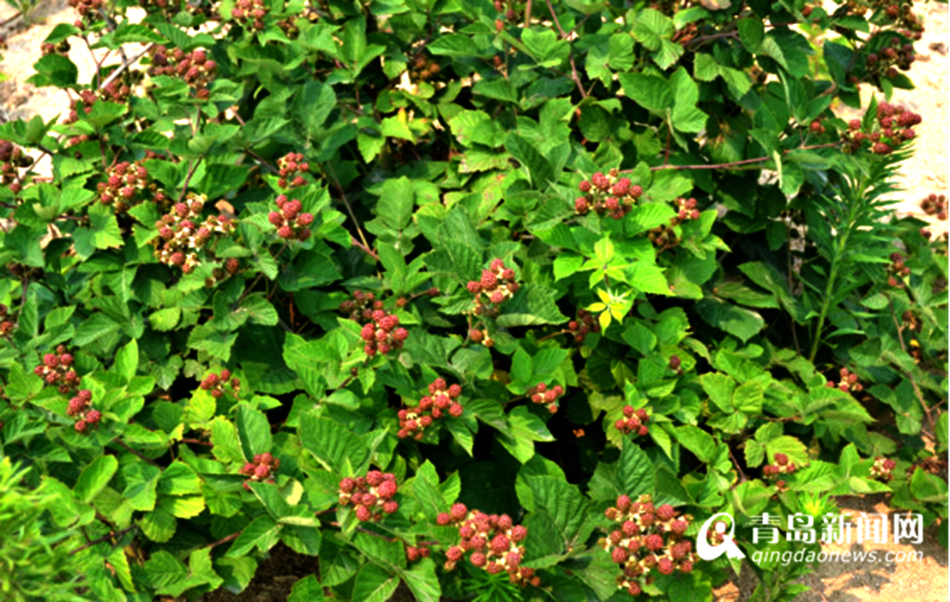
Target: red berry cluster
633, 421
894, 127
372, 495
290, 167
57, 370
361, 307
250, 13
686, 210
231, 267
542, 395
7, 322
89, 10
507, 13
676, 364
897, 270
194, 67
849, 382
126, 185
414, 553
935, 205
423, 68
891, 56
607, 194
883, 469
114, 91
218, 384
12, 159
441, 400
816, 127
902, 13
290, 223
481, 336
61, 48
493, 542
80, 408
262, 469
181, 238
383, 333
585, 324
664, 236
782, 466
647, 538
497, 284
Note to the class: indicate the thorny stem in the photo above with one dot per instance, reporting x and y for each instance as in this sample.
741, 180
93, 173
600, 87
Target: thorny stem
913, 382
791, 287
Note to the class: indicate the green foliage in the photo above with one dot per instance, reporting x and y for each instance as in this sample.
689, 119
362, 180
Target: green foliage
528, 263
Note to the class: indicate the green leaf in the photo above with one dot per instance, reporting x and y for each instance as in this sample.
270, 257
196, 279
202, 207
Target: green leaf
95, 477
532, 305
254, 431
307, 589
527, 154
649, 91
686, 117
312, 105
55, 70
423, 581
564, 504
141, 479
523, 429
165, 571
127, 360
634, 471
261, 533
737, 321
396, 202
719, 387
333, 444
374, 584
179, 479
698, 441
751, 34
103, 232
426, 490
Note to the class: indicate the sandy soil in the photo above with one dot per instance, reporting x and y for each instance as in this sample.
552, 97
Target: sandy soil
909, 581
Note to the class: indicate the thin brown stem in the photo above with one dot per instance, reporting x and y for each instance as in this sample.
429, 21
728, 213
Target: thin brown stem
910, 376
139, 454
125, 65
736, 163
191, 172
349, 208
364, 248
735, 462
112, 535
553, 334
574, 76
224, 540
196, 442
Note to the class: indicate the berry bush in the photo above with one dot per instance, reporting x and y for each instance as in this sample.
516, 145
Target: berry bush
479, 300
